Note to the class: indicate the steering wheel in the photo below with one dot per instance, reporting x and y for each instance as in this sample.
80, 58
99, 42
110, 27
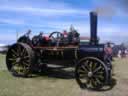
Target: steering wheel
56, 37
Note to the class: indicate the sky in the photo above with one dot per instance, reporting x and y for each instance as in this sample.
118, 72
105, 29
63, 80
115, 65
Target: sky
57, 15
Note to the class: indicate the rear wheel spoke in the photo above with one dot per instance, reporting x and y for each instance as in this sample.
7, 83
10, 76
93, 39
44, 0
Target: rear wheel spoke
12, 59
14, 52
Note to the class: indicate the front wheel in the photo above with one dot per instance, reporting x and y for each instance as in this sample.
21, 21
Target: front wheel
91, 73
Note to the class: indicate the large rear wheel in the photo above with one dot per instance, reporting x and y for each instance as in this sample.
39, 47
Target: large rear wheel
19, 59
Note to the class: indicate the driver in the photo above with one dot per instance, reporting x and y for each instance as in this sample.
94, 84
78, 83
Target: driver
41, 35
44, 39
28, 33
65, 34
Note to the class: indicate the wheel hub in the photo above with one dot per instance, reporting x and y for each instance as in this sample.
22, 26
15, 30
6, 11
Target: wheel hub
90, 74
18, 60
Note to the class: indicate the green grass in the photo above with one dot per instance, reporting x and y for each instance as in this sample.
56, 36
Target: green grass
36, 86
2, 62
41, 86
51, 86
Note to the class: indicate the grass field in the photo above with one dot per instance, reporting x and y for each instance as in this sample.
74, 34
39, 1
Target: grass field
44, 85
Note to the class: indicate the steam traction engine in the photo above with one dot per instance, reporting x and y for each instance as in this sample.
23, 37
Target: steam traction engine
92, 69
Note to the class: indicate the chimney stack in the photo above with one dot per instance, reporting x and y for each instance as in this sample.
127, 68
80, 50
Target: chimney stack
93, 28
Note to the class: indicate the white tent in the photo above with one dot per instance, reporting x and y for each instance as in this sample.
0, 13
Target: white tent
1, 45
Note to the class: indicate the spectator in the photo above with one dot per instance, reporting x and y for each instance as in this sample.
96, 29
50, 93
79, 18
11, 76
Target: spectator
119, 54
108, 51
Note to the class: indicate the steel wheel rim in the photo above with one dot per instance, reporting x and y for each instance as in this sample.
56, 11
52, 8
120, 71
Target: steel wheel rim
91, 73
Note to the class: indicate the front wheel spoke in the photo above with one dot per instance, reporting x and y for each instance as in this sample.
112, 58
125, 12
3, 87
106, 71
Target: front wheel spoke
84, 68
83, 75
99, 76
94, 66
89, 82
93, 82
99, 73
97, 69
82, 71
90, 66
98, 81
83, 80
86, 65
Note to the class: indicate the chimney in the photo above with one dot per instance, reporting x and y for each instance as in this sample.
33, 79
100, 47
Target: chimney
93, 28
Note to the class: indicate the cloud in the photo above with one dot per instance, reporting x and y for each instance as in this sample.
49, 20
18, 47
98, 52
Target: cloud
106, 33
113, 30
34, 3
41, 16
41, 8
7, 37
11, 21
82, 26
45, 12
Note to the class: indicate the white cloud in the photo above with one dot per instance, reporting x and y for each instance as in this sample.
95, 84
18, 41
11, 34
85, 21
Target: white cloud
81, 26
52, 9
12, 21
5, 37
115, 30
34, 3
45, 11
106, 33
